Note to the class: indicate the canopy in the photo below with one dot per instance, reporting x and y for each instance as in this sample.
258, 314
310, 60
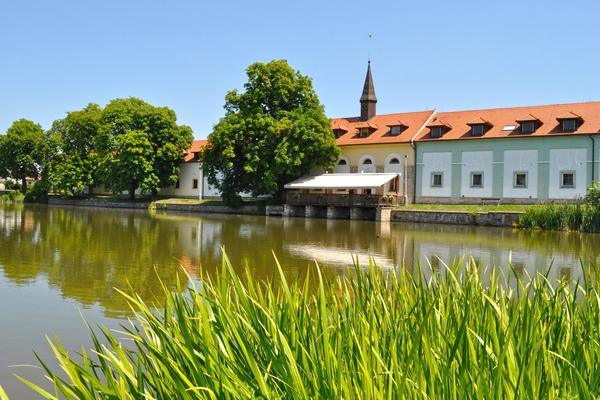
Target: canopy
341, 181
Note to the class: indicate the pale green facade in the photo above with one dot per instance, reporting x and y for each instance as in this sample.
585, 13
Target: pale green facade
553, 153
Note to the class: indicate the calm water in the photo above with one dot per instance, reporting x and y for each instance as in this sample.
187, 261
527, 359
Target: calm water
59, 264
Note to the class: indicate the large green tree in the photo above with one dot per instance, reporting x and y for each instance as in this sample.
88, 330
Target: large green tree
75, 160
22, 151
273, 132
145, 138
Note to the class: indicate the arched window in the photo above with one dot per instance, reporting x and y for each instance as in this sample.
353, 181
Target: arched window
394, 161
367, 161
342, 162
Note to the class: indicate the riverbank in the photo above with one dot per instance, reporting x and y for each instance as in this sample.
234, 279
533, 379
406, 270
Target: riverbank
498, 216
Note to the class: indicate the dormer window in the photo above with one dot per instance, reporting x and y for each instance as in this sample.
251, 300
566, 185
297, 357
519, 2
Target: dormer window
397, 129
479, 126
478, 130
569, 125
337, 133
528, 124
436, 131
363, 132
528, 127
569, 122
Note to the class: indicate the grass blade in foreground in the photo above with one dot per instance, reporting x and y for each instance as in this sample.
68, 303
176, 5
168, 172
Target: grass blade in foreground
370, 335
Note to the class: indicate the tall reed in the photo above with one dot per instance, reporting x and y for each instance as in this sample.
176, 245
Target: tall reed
582, 217
369, 335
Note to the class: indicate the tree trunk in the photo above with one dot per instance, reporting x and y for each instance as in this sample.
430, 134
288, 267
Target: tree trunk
132, 188
24, 185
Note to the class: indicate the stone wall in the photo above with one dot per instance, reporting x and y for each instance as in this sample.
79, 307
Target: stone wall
506, 219
98, 203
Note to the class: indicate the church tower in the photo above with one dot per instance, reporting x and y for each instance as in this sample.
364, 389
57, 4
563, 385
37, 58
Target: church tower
368, 100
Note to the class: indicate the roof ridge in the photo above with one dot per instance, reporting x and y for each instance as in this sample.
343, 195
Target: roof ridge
519, 107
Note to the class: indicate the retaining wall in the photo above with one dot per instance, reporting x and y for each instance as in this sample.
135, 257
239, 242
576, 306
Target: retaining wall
504, 218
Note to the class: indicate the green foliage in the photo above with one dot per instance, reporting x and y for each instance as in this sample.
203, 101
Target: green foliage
22, 151
272, 133
12, 197
593, 194
75, 160
131, 163
37, 193
581, 216
371, 335
132, 129
10, 184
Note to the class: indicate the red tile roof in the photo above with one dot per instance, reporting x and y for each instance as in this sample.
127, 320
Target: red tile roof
505, 118
380, 126
196, 147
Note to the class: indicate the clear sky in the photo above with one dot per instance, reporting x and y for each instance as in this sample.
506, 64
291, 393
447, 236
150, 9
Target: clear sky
57, 56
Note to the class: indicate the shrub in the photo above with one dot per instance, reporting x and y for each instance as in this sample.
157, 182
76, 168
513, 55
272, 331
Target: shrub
12, 197
593, 194
37, 193
371, 334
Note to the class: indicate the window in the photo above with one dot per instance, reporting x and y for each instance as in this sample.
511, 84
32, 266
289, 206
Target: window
567, 179
196, 156
527, 126
436, 131
342, 162
396, 130
476, 179
569, 125
195, 184
177, 184
437, 179
520, 179
478, 130
367, 161
394, 161
363, 132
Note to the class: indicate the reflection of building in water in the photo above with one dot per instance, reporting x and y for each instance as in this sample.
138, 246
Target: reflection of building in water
338, 257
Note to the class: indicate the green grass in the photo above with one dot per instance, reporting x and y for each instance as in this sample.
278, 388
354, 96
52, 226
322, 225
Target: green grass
370, 335
471, 208
582, 217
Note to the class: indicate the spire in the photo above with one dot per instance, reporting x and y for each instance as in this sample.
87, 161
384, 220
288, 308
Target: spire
368, 100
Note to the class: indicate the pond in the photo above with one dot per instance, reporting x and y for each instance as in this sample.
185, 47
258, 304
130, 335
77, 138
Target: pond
61, 265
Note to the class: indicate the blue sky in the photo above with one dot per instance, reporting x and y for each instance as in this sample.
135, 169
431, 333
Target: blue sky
57, 56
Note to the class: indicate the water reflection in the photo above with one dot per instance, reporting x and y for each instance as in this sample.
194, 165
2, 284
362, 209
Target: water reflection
85, 253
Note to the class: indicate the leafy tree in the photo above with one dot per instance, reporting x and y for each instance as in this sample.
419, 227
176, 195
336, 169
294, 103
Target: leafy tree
273, 132
74, 165
22, 151
149, 130
132, 163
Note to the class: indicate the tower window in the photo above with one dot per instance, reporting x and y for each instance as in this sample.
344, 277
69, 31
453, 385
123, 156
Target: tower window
528, 126
569, 125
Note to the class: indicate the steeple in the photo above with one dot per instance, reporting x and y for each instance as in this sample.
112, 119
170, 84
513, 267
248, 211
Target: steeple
368, 100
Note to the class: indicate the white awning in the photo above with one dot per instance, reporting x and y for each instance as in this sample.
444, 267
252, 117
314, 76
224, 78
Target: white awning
341, 181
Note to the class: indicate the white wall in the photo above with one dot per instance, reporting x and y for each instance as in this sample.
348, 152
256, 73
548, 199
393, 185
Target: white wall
209, 190
477, 161
436, 162
187, 173
520, 160
567, 160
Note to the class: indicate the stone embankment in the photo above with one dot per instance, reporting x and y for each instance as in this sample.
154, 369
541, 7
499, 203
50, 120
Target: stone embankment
492, 218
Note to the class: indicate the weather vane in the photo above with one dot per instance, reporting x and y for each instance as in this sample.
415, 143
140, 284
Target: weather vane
369, 47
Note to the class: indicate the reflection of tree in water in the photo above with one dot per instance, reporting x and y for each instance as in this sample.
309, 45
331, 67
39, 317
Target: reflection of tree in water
85, 254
